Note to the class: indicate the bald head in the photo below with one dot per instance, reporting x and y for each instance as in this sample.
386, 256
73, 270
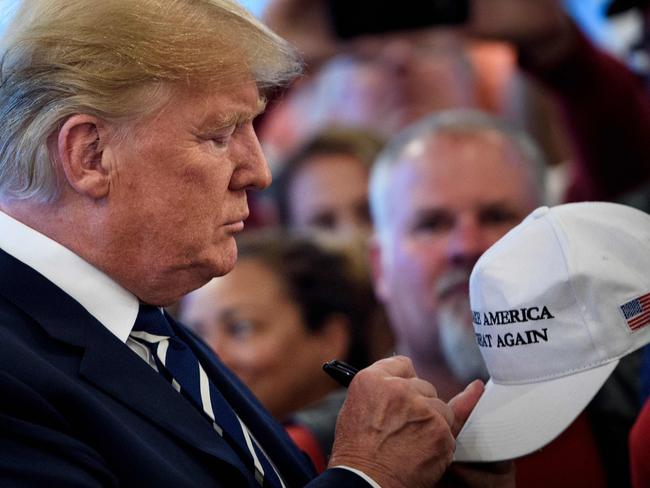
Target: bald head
453, 141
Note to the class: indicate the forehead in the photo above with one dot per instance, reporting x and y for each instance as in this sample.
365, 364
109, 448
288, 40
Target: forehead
330, 168
322, 176
212, 107
461, 170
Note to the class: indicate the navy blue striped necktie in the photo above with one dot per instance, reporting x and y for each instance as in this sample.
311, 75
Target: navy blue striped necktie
177, 362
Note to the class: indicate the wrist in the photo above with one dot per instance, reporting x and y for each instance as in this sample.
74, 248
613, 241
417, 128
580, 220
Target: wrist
380, 474
373, 483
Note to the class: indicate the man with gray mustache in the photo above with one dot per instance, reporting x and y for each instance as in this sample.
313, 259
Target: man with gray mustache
441, 193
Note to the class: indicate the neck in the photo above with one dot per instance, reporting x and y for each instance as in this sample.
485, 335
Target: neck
88, 229
55, 220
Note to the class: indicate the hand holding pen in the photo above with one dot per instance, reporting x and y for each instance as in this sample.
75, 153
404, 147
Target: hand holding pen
393, 426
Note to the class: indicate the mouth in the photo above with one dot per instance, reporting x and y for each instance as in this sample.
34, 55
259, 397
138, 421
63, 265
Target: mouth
237, 224
453, 284
455, 290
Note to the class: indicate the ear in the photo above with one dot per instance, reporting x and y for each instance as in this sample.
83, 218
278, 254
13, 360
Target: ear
80, 150
334, 338
377, 268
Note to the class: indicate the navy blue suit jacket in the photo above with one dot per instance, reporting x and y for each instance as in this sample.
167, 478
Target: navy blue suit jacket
79, 408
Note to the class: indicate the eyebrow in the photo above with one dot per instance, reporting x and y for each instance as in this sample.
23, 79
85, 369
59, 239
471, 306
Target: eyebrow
221, 121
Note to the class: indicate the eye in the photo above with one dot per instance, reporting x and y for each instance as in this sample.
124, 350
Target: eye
432, 222
363, 213
222, 137
325, 220
240, 329
498, 215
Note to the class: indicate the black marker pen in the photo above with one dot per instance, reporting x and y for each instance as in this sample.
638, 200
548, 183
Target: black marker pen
340, 371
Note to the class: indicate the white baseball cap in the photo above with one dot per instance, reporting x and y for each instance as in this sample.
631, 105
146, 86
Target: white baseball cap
556, 303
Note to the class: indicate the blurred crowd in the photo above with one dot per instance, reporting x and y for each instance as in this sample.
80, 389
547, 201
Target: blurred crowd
409, 146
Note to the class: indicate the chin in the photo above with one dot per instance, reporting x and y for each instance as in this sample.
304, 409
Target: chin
218, 260
224, 265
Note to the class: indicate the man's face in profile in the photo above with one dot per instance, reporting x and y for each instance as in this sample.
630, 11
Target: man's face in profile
178, 194
452, 198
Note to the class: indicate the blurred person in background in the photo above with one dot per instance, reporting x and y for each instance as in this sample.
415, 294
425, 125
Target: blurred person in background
640, 434
379, 83
605, 106
323, 186
289, 305
384, 80
640, 449
599, 126
323, 189
441, 193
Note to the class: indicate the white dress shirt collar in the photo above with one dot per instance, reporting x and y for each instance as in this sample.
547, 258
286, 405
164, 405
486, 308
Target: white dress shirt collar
111, 304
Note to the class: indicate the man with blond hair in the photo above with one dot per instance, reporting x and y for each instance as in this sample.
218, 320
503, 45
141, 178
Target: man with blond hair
126, 152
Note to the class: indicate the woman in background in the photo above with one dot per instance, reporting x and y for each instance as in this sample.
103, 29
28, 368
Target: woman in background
289, 305
323, 186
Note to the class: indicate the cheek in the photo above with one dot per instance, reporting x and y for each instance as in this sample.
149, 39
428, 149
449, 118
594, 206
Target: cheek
419, 263
494, 233
307, 360
283, 359
303, 214
256, 361
198, 184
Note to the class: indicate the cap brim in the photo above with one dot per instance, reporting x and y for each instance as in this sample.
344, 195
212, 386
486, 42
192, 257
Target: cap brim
511, 421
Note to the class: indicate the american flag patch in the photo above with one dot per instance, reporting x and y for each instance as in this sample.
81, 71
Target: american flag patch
637, 312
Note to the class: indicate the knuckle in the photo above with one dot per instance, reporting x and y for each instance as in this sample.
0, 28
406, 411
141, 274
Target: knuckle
405, 360
426, 388
365, 375
399, 388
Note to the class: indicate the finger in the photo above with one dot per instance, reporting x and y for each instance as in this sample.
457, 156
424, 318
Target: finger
423, 387
400, 366
463, 404
444, 410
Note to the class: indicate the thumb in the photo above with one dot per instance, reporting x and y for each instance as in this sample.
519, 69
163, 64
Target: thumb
463, 404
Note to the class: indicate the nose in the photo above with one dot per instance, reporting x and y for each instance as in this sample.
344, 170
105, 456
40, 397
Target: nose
252, 171
466, 242
354, 220
350, 225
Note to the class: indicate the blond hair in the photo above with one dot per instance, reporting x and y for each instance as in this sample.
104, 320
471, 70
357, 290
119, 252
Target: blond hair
117, 59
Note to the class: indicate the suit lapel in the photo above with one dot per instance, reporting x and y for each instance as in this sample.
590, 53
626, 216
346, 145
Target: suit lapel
106, 362
112, 367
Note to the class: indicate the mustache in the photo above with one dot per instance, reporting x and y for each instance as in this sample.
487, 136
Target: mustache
452, 280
